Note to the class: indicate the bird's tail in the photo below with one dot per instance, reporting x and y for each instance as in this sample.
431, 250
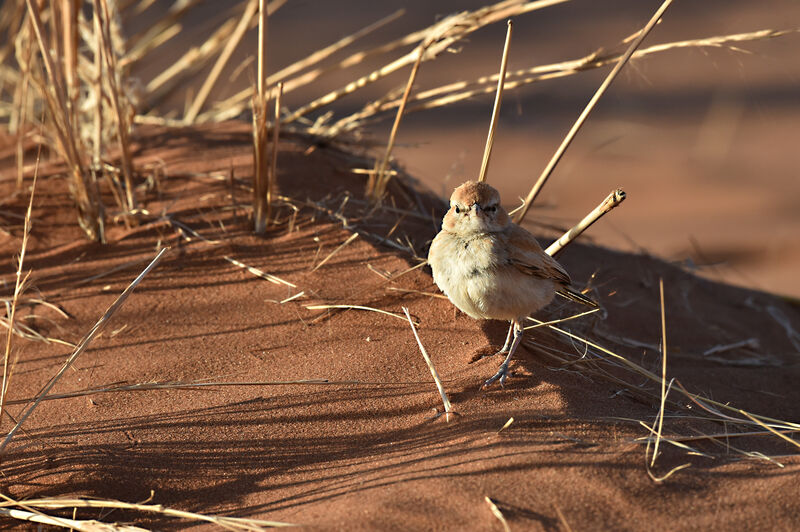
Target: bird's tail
573, 295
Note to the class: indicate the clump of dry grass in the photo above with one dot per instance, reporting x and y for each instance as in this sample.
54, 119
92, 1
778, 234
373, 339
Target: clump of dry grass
92, 107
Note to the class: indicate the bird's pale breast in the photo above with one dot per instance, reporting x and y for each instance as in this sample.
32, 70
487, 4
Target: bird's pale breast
475, 274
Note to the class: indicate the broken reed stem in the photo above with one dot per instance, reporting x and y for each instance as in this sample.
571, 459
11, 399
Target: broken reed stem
589, 107
663, 372
611, 201
227, 51
447, 406
498, 99
18, 287
82, 346
376, 185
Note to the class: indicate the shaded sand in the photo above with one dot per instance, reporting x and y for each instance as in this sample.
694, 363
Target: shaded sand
365, 449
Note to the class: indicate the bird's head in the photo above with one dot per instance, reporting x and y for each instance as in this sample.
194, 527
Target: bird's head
475, 208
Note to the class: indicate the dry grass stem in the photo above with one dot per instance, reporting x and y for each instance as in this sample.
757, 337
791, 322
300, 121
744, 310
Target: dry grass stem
260, 273
506, 425
445, 401
379, 179
561, 320
231, 523
563, 519
420, 292
335, 251
498, 99
261, 62
262, 209
230, 46
715, 408
276, 130
453, 93
497, 513
292, 298
611, 201
441, 35
63, 522
355, 307
234, 105
82, 346
19, 286
587, 110
663, 372
121, 115
770, 429
64, 131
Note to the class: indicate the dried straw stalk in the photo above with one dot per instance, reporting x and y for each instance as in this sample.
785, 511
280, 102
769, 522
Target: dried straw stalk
498, 99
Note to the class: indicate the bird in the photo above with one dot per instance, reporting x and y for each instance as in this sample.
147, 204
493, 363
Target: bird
491, 268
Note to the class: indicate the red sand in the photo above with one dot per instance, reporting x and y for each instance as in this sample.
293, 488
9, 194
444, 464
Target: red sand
366, 450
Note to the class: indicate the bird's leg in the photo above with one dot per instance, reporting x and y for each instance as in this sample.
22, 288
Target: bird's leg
502, 373
507, 343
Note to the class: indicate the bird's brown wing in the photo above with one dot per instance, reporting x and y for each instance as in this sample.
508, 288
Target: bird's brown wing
525, 254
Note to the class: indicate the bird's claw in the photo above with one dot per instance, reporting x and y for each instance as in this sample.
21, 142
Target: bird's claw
500, 376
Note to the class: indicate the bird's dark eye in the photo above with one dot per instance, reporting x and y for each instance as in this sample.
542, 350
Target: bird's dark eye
491, 208
457, 209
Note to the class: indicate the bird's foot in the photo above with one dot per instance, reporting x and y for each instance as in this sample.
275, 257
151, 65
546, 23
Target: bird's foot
500, 376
